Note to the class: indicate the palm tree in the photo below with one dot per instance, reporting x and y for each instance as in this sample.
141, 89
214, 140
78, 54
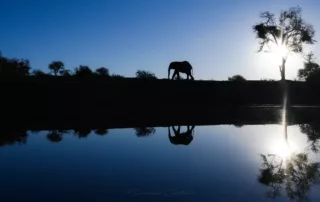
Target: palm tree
56, 67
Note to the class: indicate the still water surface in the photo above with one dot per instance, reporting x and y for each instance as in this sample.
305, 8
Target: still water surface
211, 163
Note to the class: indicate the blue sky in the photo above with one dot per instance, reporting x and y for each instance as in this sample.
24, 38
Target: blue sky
215, 36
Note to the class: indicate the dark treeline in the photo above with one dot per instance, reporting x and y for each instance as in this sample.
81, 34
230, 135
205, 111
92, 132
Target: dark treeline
144, 119
13, 67
307, 121
61, 96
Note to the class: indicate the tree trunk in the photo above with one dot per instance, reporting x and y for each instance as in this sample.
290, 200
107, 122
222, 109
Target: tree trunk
283, 69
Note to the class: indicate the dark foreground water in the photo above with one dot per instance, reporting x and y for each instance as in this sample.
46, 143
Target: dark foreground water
211, 163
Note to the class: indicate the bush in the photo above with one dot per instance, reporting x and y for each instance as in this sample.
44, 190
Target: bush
140, 74
102, 71
237, 78
83, 71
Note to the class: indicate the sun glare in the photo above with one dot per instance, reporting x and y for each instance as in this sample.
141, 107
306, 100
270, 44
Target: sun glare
279, 52
281, 149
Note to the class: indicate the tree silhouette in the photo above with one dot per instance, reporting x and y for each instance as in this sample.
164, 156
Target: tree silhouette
38, 73
83, 71
310, 67
289, 32
65, 72
14, 67
1, 62
117, 76
102, 71
237, 78
56, 67
296, 175
141, 74
23, 67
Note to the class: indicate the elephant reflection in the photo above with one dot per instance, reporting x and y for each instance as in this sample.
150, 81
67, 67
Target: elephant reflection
179, 138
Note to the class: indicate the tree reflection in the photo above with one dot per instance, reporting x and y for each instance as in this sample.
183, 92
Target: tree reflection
144, 131
82, 132
56, 135
11, 137
296, 175
312, 131
101, 131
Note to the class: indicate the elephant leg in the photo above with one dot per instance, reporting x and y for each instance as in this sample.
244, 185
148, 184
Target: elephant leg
176, 73
191, 77
173, 75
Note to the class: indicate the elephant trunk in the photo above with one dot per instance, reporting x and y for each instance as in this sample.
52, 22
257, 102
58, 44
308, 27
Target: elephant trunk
169, 72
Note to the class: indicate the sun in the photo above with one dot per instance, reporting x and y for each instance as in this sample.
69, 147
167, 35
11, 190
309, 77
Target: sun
279, 52
282, 51
281, 149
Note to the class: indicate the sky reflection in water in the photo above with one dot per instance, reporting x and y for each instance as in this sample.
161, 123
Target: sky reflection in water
221, 163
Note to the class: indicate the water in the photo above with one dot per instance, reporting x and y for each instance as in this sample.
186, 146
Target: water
220, 163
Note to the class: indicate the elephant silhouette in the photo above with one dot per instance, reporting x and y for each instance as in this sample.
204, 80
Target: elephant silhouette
183, 67
179, 138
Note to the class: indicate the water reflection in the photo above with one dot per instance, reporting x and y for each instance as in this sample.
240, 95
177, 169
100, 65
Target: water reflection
312, 131
82, 132
289, 170
11, 137
286, 167
144, 131
56, 135
296, 175
101, 131
181, 138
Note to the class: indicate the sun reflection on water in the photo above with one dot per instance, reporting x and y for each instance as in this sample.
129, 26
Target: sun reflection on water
283, 149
